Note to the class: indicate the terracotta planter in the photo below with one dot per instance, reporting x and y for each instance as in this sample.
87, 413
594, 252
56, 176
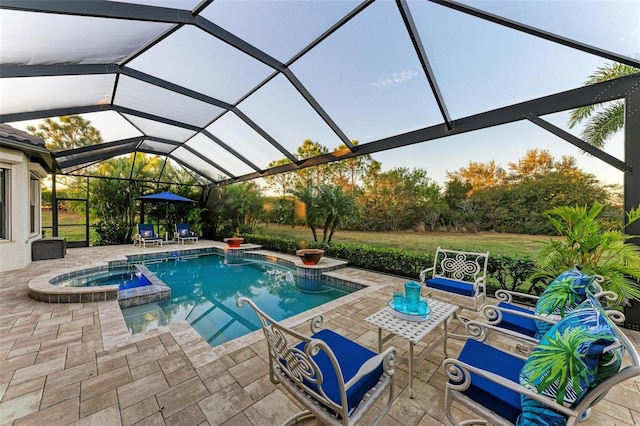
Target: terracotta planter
310, 256
234, 242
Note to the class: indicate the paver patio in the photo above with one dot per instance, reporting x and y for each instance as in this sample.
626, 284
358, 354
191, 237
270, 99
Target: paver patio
76, 363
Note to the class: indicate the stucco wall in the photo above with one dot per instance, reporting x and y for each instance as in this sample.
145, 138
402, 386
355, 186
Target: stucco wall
15, 252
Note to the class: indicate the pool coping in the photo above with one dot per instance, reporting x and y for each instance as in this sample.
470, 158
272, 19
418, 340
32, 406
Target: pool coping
116, 334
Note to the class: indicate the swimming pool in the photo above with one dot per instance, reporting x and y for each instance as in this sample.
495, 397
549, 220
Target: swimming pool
204, 290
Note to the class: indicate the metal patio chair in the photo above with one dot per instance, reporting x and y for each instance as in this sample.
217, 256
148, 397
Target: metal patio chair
337, 380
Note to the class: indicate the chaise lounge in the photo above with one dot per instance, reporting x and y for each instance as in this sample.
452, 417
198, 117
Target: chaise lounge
182, 233
146, 235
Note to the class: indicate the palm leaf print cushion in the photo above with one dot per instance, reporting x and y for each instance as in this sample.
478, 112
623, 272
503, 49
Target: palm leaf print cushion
561, 297
575, 355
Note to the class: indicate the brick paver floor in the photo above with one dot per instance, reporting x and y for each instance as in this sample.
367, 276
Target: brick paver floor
77, 364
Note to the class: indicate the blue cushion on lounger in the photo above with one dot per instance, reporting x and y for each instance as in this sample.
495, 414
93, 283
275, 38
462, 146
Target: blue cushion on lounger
451, 286
517, 323
350, 356
503, 401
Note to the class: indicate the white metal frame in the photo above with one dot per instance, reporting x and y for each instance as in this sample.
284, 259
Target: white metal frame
414, 332
290, 367
455, 265
494, 313
457, 370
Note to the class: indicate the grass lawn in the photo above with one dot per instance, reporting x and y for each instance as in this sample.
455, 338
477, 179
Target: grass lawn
70, 225
496, 243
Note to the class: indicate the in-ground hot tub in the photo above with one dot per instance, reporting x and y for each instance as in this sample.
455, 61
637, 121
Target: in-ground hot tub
130, 285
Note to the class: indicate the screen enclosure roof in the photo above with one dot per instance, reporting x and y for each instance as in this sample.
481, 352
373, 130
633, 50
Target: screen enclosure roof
222, 88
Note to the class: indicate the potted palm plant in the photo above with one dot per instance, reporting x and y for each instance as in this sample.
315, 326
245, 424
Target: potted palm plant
586, 242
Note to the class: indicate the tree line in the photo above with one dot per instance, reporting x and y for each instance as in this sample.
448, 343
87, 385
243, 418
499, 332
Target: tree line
350, 194
478, 197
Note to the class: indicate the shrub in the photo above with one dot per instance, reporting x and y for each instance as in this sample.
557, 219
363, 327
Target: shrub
114, 231
503, 271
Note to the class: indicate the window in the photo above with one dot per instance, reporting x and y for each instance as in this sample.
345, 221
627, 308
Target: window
4, 204
34, 204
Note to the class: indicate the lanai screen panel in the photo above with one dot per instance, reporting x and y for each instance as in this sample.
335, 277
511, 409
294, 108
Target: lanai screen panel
489, 53
238, 135
159, 129
208, 65
99, 152
371, 92
603, 23
289, 118
141, 96
157, 147
40, 39
176, 172
279, 28
199, 165
23, 94
205, 146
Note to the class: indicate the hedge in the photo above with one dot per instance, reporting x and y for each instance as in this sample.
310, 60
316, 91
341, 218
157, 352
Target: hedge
504, 272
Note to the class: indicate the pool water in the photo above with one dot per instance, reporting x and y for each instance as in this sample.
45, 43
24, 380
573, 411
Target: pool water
204, 290
125, 277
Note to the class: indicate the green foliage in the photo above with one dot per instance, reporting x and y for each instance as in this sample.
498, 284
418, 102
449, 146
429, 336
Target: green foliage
602, 120
67, 132
503, 271
113, 231
597, 250
280, 244
397, 199
279, 210
194, 218
511, 273
520, 207
326, 206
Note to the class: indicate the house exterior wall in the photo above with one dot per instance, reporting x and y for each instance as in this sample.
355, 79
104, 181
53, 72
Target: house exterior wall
15, 250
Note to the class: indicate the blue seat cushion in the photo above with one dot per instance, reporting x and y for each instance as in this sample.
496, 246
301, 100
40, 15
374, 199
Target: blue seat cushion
503, 401
350, 356
451, 286
517, 323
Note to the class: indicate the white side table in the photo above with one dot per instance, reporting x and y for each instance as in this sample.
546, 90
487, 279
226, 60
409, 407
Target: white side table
414, 332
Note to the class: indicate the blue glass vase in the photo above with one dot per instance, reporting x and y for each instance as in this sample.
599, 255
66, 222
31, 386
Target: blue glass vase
412, 294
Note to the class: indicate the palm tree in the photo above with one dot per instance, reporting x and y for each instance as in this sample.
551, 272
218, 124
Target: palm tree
308, 194
604, 120
338, 207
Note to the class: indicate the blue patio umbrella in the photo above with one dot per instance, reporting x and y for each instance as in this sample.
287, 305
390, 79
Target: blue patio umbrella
164, 197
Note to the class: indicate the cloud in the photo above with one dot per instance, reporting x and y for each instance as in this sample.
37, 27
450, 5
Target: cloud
395, 78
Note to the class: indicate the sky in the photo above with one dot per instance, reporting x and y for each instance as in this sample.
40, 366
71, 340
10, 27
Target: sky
368, 79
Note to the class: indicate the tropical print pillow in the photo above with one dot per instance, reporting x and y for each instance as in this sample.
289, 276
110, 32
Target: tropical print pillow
575, 355
561, 297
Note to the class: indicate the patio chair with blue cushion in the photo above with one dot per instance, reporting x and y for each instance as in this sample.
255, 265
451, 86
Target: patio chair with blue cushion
146, 235
182, 233
457, 275
335, 379
572, 368
561, 296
